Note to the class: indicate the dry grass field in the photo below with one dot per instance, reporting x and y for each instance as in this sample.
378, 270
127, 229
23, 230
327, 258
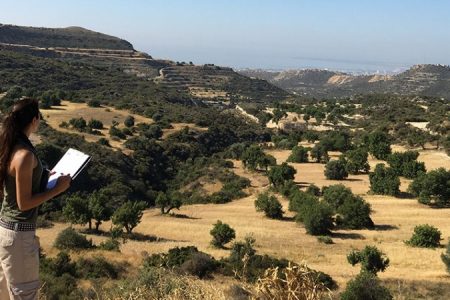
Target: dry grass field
395, 219
68, 110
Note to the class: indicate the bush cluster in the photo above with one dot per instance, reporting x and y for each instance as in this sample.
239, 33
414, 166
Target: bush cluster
384, 181
270, 205
425, 236
406, 164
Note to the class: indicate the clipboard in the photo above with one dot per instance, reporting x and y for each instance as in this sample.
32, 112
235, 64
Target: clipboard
72, 163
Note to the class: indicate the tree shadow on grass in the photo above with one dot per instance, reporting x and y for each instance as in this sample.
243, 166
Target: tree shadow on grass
182, 216
353, 179
140, 237
405, 195
302, 184
287, 219
384, 227
347, 236
134, 236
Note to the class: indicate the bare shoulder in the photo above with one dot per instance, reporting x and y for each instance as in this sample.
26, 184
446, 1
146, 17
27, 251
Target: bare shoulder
22, 157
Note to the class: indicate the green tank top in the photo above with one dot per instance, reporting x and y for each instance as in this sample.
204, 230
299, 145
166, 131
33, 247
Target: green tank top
10, 210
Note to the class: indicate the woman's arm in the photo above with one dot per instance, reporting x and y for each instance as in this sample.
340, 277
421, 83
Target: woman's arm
23, 165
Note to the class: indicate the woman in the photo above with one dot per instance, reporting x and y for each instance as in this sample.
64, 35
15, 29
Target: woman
20, 180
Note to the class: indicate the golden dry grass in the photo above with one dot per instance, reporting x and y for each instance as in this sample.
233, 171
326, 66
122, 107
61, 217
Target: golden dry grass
68, 110
394, 217
180, 126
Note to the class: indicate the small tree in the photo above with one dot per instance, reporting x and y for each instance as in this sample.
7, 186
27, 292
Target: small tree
78, 123
384, 181
278, 175
372, 260
114, 131
320, 153
354, 213
317, 218
222, 233
252, 157
269, 204
379, 144
425, 236
432, 188
405, 164
129, 215
77, 210
168, 202
299, 155
129, 121
95, 124
356, 161
99, 208
335, 170
446, 257
366, 286
336, 194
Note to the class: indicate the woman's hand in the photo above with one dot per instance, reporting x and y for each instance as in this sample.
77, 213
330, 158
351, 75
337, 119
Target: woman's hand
63, 183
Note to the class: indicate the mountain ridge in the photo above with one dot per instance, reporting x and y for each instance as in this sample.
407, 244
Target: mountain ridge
420, 79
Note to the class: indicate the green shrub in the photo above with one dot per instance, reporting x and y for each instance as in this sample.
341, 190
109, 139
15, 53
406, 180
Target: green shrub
299, 199
110, 245
446, 257
384, 181
371, 259
269, 204
405, 164
432, 188
425, 236
96, 267
279, 175
94, 103
379, 144
313, 190
317, 218
222, 233
366, 286
61, 287
95, 124
129, 121
354, 213
336, 194
299, 155
115, 132
104, 142
199, 264
186, 260
69, 239
336, 170
356, 161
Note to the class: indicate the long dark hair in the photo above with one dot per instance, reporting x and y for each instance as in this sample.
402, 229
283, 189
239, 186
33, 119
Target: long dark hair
13, 125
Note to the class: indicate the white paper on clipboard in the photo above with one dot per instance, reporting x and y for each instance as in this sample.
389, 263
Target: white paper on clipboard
72, 163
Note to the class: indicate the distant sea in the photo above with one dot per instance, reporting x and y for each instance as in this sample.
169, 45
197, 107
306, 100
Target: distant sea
352, 67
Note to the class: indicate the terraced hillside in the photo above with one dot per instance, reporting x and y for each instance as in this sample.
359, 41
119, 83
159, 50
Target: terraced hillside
207, 84
219, 83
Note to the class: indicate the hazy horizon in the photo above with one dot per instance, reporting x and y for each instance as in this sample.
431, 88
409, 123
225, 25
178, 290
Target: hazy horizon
352, 36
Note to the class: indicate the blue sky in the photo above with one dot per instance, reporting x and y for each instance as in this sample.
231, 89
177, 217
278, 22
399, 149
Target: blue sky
260, 33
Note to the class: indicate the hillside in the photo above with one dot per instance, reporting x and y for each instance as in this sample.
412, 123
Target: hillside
424, 80
70, 37
204, 85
